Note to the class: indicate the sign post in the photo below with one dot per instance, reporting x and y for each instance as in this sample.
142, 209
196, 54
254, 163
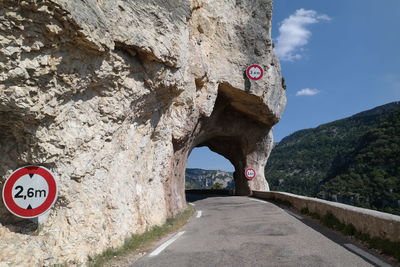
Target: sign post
30, 192
250, 173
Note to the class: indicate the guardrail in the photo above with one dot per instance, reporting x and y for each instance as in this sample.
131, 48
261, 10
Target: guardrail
374, 223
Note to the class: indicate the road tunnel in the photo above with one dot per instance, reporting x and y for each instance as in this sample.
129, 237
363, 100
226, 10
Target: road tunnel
240, 134
237, 136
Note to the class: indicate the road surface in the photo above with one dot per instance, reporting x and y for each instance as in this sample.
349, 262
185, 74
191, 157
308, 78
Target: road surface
241, 231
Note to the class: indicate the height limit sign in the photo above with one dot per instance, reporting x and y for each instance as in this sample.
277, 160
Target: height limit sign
250, 173
254, 72
30, 192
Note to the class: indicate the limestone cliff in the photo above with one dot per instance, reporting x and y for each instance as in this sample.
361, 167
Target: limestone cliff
205, 179
112, 96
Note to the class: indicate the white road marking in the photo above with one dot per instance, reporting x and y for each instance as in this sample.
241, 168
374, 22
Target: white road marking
258, 200
294, 214
166, 244
199, 214
192, 204
367, 255
291, 213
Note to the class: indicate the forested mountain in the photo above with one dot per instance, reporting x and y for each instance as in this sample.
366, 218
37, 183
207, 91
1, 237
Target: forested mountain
355, 160
208, 179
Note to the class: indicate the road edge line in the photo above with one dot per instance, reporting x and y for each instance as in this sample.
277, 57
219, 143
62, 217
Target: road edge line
166, 244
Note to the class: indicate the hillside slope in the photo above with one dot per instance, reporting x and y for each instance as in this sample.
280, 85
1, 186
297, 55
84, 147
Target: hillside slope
355, 160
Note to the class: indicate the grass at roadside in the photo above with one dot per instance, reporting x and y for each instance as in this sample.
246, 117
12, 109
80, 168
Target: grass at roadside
143, 241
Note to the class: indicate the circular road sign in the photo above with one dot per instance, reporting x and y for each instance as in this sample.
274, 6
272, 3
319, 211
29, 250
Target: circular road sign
250, 173
30, 191
254, 72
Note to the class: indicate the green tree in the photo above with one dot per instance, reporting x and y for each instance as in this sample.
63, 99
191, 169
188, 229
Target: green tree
354, 160
217, 185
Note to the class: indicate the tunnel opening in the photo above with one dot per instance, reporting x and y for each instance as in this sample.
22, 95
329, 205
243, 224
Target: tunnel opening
207, 170
244, 138
238, 136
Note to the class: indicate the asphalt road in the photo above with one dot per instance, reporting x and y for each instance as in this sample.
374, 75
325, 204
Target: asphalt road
240, 231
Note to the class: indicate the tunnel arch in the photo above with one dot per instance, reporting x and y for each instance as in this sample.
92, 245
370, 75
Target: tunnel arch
239, 129
231, 150
240, 136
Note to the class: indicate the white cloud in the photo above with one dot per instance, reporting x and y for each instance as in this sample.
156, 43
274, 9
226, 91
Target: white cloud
293, 34
307, 91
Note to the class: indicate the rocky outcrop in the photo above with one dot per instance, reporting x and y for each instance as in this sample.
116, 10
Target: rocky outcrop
206, 179
112, 96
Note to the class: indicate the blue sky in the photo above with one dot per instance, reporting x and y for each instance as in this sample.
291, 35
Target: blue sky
338, 58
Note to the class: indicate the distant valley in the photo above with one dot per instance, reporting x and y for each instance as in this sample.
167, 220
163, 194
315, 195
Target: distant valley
208, 179
355, 160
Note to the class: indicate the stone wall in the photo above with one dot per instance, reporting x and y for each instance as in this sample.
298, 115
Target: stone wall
112, 96
374, 223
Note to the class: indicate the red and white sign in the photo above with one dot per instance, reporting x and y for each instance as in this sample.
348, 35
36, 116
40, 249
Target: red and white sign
30, 191
250, 173
254, 72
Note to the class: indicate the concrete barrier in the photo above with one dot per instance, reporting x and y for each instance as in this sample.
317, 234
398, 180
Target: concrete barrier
374, 223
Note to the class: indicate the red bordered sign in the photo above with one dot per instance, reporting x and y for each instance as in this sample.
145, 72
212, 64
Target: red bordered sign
254, 72
250, 173
30, 191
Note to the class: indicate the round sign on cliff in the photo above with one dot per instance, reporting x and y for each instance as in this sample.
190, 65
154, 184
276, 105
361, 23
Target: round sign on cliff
250, 173
30, 191
254, 72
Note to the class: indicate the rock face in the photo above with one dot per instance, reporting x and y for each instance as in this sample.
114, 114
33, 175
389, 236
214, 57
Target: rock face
112, 96
205, 179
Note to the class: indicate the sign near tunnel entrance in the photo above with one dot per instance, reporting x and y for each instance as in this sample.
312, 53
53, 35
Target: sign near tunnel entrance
250, 173
254, 72
30, 192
